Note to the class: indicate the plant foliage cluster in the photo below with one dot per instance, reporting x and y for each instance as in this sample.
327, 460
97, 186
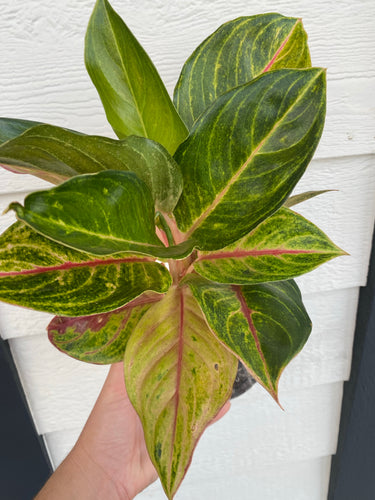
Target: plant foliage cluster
175, 246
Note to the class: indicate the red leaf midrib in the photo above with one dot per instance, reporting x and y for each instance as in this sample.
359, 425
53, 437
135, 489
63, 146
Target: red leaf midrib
66, 266
278, 51
247, 312
179, 364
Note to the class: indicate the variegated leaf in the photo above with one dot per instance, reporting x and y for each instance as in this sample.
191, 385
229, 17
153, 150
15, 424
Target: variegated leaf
132, 92
283, 246
247, 152
237, 52
13, 127
265, 325
100, 338
100, 214
55, 154
156, 167
178, 376
38, 273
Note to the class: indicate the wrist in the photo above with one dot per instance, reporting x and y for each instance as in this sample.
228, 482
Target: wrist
79, 477
93, 477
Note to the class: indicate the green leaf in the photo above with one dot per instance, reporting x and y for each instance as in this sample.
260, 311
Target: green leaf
265, 325
100, 338
283, 246
156, 167
178, 376
55, 154
12, 127
247, 152
38, 273
237, 52
301, 197
101, 214
133, 95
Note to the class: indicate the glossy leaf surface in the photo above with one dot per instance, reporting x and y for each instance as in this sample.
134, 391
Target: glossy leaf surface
156, 167
101, 214
178, 376
283, 246
247, 152
100, 338
133, 95
265, 325
12, 127
38, 273
55, 154
237, 52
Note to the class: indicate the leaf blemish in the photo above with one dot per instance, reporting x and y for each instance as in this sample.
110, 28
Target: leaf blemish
157, 451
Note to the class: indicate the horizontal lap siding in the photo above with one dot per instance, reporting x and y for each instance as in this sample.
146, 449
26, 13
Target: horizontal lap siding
256, 423
349, 128
257, 450
299, 480
303, 480
46, 80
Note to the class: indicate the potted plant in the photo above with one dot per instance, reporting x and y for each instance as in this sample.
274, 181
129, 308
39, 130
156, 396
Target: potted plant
174, 248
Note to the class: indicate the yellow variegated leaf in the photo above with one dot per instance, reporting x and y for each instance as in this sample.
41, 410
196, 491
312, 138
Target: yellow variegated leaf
178, 376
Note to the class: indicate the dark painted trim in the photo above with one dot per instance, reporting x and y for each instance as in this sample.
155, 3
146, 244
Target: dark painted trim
353, 466
24, 464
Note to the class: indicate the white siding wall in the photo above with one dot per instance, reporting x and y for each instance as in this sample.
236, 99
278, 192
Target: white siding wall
257, 450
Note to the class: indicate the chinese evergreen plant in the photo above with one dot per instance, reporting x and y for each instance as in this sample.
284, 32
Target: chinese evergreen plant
174, 247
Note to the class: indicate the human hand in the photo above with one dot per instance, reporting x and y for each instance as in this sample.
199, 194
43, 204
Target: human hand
110, 459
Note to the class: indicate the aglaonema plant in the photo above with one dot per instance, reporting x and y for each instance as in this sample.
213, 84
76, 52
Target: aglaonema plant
175, 246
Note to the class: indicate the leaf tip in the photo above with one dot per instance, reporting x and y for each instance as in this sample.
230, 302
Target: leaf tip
280, 405
273, 390
339, 252
342, 253
17, 207
275, 394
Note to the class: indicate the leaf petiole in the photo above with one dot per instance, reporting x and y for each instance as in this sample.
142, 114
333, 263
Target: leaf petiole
162, 224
